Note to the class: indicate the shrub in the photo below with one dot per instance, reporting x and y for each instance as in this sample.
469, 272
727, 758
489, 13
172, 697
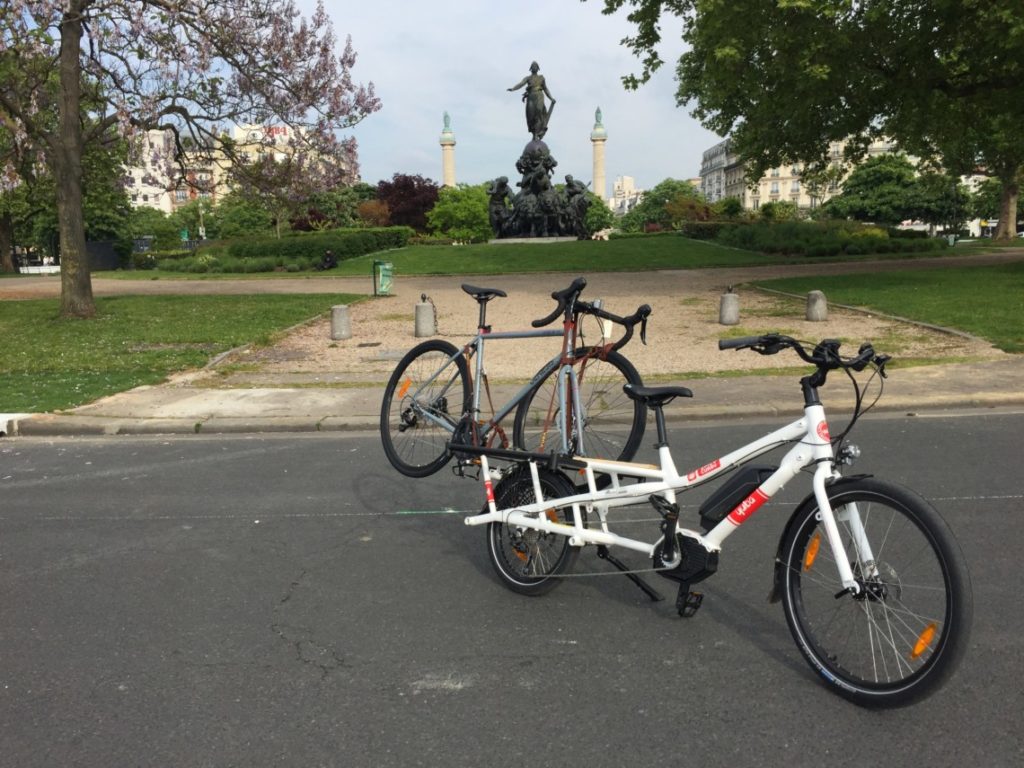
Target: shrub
345, 243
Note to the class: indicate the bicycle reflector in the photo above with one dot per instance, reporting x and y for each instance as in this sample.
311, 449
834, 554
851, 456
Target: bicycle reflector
405, 387
812, 551
923, 641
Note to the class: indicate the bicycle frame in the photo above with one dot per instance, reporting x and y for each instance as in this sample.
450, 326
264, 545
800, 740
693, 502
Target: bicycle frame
812, 448
566, 378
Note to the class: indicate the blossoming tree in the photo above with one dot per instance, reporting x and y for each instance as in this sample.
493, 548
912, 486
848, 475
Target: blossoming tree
78, 72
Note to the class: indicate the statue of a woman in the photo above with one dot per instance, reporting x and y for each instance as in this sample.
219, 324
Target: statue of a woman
536, 113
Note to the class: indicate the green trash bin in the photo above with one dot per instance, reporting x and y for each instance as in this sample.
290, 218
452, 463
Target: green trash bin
382, 275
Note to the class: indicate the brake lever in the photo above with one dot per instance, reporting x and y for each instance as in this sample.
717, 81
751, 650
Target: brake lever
880, 361
643, 331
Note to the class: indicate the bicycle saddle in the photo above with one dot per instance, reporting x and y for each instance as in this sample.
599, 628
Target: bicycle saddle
654, 397
482, 294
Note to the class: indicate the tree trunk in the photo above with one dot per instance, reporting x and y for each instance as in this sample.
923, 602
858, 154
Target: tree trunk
6, 242
1007, 228
66, 161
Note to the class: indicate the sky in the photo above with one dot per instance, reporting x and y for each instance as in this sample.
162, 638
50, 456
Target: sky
428, 57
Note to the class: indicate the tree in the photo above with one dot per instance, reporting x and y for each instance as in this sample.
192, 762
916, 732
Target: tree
942, 200
883, 190
652, 210
408, 199
461, 214
784, 79
332, 209
188, 66
374, 213
599, 216
239, 216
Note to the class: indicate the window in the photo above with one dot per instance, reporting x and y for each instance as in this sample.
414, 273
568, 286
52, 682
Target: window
775, 187
775, 171
795, 186
180, 195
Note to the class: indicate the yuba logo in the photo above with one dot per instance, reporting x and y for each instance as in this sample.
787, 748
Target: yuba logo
823, 432
747, 507
705, 470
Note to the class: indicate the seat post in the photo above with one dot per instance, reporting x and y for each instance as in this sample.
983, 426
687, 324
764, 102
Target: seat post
481, 325
659, 421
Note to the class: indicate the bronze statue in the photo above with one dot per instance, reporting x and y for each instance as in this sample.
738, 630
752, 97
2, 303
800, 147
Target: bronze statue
537, 113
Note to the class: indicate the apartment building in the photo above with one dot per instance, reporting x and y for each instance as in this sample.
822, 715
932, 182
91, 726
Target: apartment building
722, 174
625, 195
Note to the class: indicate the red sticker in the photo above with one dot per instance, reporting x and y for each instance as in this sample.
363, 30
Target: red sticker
747, 507
489, 488
823, 432
705, 470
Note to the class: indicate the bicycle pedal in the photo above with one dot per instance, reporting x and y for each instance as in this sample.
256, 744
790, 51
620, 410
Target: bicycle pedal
688, 603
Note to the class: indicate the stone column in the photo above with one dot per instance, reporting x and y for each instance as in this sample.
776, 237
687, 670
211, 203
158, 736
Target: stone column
447, 153
598, 136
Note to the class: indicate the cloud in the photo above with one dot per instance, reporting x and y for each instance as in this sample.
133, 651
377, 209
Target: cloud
461, 56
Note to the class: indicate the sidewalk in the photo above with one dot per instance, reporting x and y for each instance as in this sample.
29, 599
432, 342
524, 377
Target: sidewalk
176, 408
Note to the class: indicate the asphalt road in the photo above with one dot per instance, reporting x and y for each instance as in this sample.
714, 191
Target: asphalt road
293, 601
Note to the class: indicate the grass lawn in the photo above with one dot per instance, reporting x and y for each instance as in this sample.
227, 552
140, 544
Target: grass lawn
49, 364
987, 301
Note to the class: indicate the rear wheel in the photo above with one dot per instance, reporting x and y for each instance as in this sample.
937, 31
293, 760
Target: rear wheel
529, 561
423, 402
903, 635
613, 424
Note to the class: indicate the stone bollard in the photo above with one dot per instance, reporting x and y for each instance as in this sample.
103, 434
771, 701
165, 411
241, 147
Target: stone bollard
426, 321
817, 307
729, 309
341, 324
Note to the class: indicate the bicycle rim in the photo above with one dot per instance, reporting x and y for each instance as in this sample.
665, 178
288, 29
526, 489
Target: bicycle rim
527, 561
422, 404
901, 636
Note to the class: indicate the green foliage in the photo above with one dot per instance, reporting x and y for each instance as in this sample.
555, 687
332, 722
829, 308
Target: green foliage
652, 211
727, 207
599, 216
817, 239
240, 216
149, 222
779, 210
784, 79
461, 214
883, 189
346, 244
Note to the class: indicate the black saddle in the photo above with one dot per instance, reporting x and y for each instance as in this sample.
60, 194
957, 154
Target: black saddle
655, 397
482, 294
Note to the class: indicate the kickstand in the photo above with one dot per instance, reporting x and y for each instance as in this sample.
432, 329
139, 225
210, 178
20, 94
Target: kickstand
651, 592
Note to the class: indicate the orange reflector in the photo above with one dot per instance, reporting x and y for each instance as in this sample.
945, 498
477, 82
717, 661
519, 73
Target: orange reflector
521, 555
552, 515
923, 641
812, 551
405, 387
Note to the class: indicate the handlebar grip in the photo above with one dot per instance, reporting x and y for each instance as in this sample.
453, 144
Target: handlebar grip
740, 343
550, 318
562, 297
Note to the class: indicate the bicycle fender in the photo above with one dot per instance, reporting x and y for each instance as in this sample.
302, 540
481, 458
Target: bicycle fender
775, 595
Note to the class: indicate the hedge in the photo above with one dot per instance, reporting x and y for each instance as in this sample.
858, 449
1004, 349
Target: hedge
345, 243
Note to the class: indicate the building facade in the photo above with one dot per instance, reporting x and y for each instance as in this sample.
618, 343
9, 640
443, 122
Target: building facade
625, 195
722, 174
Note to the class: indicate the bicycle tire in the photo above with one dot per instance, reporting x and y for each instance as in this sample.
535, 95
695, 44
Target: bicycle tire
529, 561
902, 638
414, 442
608, 410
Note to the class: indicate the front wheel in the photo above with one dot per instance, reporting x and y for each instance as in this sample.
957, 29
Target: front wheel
612, 425
423, 402
529, 561
903, 634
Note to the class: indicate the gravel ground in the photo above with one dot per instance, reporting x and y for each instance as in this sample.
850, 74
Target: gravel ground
683, 329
